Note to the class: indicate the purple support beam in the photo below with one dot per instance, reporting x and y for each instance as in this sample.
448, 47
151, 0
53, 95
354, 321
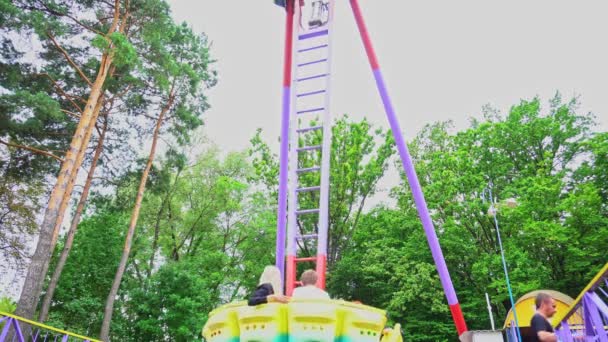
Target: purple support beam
282, 205
587, 322
603, 292
594, 318
512, 333
7, 327
412, 178
566, 335
601, 306
410, 172
18, 334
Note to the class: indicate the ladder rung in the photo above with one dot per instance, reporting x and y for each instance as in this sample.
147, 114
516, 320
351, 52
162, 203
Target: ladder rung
311, 93
313, 62
307, 129
307, 211
308, 148
306, 259
313, 34
310, 110
311, 77
314, 48
308, 169
310, 188
306, 236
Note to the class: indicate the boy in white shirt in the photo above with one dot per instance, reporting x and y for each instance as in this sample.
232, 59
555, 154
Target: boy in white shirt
309, 290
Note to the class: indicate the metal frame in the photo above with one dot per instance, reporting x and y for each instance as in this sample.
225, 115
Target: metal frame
591, 304
17, 333
300, 62
403, 152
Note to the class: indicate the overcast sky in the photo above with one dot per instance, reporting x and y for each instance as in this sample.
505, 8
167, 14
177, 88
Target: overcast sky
441, 60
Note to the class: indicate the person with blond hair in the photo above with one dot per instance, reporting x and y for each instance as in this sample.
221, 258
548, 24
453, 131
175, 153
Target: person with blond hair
309, 289
270, 288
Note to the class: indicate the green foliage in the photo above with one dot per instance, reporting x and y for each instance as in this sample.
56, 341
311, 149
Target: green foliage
180, 296
7, 10
18, 207
360, 156
118, 45
388, 265
7, 305
553, 238
211, 233
82, 290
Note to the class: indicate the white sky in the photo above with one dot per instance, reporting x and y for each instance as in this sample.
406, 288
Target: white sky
441, 60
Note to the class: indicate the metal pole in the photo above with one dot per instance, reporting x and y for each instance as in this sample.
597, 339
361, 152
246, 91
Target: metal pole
504, 263
410, 172
292, 175
282, 210
490, 310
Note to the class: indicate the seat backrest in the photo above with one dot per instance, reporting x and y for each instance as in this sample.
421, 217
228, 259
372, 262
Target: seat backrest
312, 320
361, 323
261, 323
222, 325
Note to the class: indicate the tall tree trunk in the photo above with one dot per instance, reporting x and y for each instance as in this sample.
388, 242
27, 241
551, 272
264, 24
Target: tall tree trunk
109, 309
36, 272
70, 185
48, 296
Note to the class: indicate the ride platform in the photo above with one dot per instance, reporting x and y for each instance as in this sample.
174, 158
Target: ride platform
299, 321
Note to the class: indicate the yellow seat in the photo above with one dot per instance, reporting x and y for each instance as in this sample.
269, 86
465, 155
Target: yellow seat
361, 323
299, 321
222, 325
393, 335
312, 320
261, 323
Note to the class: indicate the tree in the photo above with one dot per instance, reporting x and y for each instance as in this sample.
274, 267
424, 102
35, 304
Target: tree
49, 27
48, 296
79, 298
387, 265
178, 68
214, 234
214, 239
19, 204
552, 237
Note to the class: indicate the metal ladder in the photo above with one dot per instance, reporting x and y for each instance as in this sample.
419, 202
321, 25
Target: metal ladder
309, 148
